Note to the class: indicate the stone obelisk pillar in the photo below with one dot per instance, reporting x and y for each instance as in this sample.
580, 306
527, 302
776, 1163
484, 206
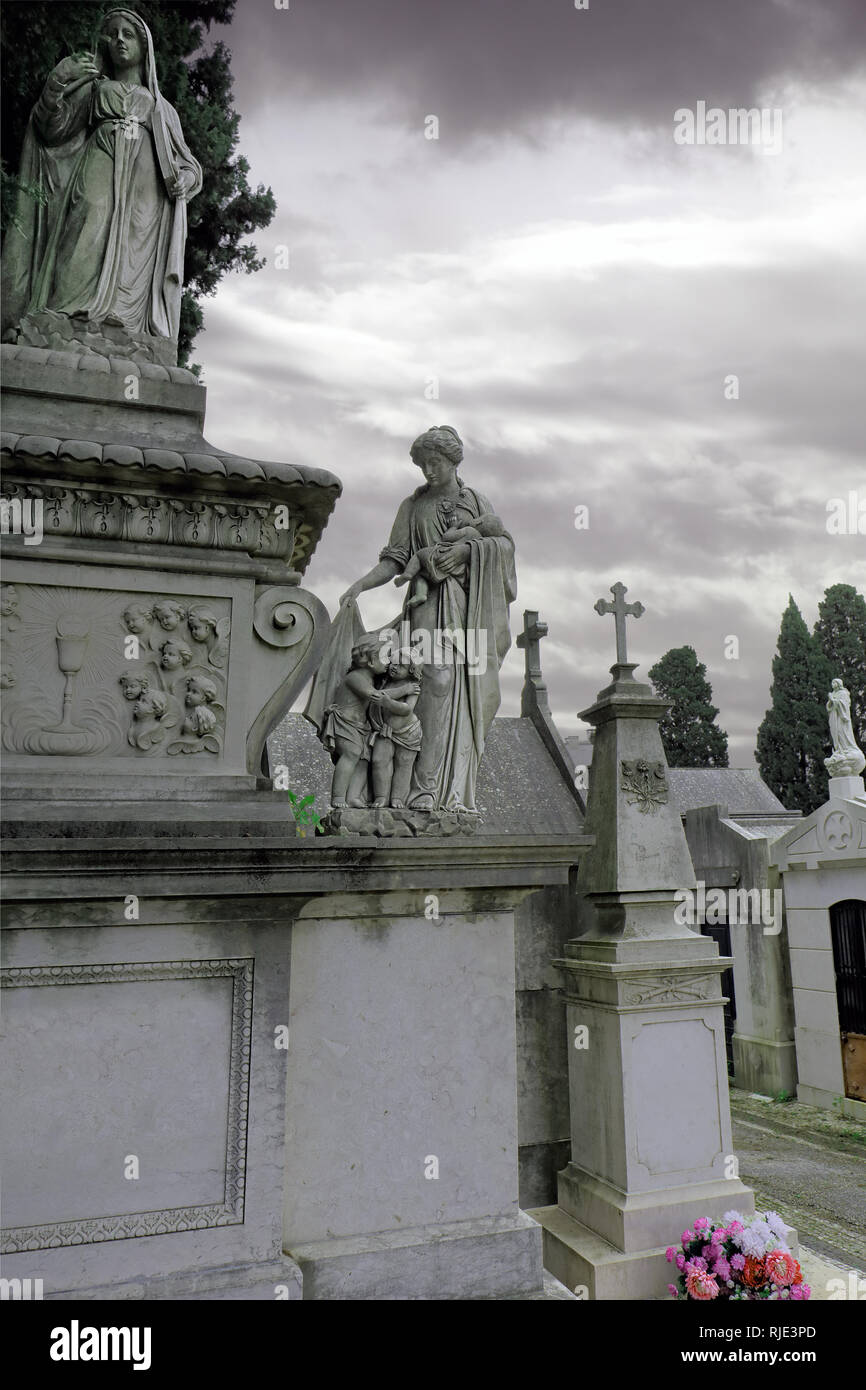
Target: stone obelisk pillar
650, 1118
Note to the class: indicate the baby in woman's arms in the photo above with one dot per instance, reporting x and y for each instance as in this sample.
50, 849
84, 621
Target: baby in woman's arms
421, 567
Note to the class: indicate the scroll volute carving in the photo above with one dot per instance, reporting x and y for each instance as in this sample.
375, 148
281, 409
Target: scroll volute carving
291, 630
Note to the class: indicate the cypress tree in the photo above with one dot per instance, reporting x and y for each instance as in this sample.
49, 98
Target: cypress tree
841, 634
794, 736
690, 736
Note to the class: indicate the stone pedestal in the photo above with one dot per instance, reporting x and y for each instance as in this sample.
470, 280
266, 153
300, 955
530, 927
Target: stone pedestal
284, 1038
650, 1121
154, 630
401, 1165
848, 788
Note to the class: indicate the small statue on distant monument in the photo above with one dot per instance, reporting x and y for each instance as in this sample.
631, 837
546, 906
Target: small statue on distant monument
846, 760
104, 240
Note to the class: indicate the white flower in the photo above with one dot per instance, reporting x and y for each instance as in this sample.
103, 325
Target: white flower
776, 1224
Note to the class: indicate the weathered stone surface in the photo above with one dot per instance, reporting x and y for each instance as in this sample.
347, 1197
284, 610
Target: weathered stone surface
386, 820
59, 332
227, 893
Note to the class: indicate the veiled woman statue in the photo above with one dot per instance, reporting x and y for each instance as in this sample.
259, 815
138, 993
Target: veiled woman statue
105, 240
846, 757
460, 560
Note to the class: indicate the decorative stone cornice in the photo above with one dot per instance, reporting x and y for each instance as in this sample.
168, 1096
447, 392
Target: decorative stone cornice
119, 492
82, 360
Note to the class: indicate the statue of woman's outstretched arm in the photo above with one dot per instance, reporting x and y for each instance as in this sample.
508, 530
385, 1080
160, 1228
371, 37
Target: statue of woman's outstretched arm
378, 575
63, 108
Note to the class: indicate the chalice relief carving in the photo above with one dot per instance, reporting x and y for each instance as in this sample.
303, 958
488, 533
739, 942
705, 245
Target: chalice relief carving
63, 653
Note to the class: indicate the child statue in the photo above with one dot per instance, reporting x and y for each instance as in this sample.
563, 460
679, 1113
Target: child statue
396, 738
345, 731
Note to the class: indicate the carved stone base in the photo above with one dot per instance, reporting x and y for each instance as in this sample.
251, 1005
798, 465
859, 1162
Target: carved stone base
385, 821
48, 329
845, 764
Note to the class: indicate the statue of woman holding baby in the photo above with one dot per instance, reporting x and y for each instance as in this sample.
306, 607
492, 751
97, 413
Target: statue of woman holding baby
457, 561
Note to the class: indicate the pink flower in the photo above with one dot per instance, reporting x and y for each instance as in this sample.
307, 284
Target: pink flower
669, 1254
696, 1266
673, 1290
681, 1262
781, 1268
688, 1237
738, 1261
721, 1268
702, 1285
736, 1226
701, 1222
801, 1291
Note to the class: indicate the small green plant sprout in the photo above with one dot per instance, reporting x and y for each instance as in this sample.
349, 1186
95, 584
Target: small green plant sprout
303, 812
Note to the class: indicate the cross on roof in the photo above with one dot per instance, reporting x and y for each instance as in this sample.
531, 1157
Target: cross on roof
529, 641
620, 609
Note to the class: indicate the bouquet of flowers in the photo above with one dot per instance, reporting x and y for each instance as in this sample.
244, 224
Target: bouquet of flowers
742, 1257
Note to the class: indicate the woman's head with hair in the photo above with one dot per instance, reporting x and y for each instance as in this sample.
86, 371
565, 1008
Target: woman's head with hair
440, 439
121, 29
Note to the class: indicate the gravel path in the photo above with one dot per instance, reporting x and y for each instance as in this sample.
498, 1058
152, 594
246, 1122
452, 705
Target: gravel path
811, 1167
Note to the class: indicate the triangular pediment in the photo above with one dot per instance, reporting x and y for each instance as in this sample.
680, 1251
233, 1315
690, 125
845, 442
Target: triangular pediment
835, 832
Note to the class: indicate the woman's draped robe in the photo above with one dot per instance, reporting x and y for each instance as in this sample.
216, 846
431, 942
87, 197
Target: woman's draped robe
107, 240
458, 700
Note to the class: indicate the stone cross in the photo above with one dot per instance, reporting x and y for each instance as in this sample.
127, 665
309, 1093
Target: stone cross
620, 610
534, 689
529, 639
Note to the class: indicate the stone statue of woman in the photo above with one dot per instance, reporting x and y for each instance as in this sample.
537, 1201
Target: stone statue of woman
846, 758
105, 239
459, 620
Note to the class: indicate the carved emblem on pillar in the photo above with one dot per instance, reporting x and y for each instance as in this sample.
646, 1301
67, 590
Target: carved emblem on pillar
645, 784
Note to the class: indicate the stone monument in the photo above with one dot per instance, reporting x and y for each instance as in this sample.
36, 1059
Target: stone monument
158, 624
312, 1042
650, 1124
405, 713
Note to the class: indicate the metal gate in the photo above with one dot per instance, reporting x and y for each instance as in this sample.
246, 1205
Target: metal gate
721, 934
848, 932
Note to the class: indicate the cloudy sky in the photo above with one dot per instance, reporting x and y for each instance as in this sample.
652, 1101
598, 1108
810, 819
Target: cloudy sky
577, 287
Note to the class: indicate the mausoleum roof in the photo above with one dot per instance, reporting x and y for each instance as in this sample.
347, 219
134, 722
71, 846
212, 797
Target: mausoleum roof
741, 789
